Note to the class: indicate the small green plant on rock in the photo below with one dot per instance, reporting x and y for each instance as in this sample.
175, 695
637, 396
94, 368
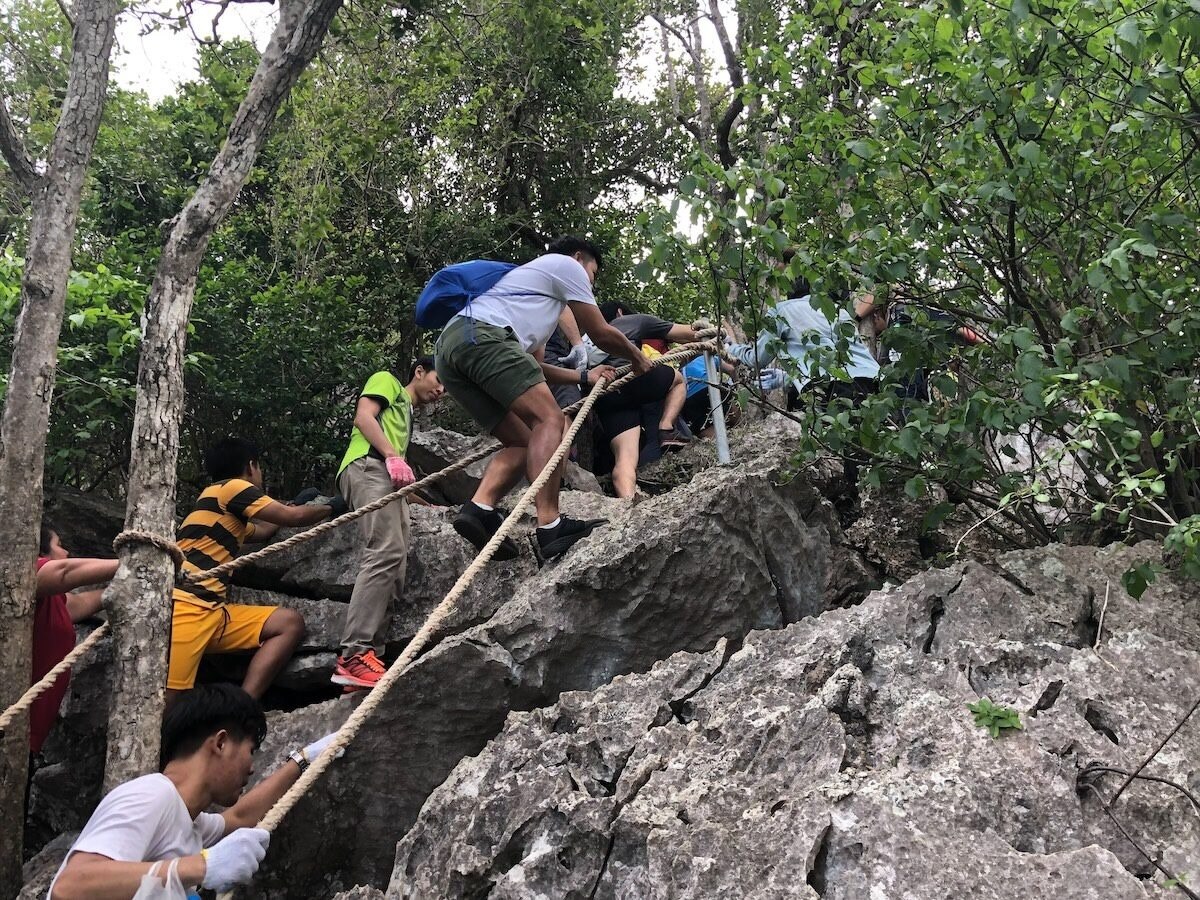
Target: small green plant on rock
994, 717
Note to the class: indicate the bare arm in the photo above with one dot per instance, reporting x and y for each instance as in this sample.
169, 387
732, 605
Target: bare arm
254, 804
84, 605
96, 877
608, 338
366, 420
681, 334
566, 321
275, 513
61, 575
262, 531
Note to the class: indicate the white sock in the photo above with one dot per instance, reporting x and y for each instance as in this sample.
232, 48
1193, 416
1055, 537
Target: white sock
483, 506
553, 524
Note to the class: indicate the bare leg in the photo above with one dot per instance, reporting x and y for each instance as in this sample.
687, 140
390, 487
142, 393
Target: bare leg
673, 403
281, 635
538, 409
625, 452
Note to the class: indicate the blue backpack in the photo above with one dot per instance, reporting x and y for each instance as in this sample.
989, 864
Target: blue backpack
454, 287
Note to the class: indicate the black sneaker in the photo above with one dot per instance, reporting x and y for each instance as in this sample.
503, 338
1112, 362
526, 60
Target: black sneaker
478, 525
559, 539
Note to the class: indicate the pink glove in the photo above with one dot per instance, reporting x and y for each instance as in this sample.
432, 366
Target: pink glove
401, 474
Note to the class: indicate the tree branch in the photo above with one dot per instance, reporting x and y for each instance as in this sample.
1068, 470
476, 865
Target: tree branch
13, 149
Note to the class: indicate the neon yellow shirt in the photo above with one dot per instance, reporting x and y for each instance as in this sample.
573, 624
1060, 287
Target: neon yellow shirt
394, 419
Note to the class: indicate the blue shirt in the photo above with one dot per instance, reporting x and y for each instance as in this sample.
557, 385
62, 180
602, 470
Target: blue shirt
695, 377
799, 332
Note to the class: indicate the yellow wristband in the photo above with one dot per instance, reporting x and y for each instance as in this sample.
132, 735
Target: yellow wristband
204, 855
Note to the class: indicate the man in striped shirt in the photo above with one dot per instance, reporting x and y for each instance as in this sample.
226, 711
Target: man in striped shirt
229, 513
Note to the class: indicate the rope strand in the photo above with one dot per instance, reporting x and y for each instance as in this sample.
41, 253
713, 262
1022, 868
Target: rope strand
52, 676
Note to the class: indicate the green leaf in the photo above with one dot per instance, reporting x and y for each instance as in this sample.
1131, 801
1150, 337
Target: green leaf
1137, 578
1030, 152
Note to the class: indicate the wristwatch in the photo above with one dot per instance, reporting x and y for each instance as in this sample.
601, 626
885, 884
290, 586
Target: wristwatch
298, 757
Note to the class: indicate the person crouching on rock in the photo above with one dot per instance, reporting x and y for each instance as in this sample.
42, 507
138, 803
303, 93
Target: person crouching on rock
373, 466
154, 828
228, 513
490, 356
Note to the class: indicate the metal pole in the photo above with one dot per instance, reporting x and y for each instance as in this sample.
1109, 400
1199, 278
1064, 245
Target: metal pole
712, 376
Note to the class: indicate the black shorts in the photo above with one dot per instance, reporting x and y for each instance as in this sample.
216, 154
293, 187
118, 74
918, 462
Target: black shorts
697, 411
620, 411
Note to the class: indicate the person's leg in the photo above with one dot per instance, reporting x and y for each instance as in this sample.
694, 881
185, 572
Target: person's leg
278, 637
673, 404
507, 467
541, 413
381, 632
384, 560
192, 628
625, 452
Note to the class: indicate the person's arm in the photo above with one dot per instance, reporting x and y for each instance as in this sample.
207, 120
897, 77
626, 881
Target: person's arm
566, 321
261, 531
96, 877
608, 338
366, 420
61, 575
84, 604
681, 334
276, 513
253, 804
757, 356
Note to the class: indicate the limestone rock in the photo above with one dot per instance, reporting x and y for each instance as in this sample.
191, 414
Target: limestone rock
86, 523
431, 449
736, 549
836, 758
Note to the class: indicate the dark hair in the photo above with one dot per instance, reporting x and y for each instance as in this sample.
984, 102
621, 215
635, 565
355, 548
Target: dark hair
570, 245
44, 539
612, 310
229, 457
205, 710
799, 288
421, 362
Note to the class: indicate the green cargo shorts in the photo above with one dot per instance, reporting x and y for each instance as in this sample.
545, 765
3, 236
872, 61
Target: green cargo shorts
485, 375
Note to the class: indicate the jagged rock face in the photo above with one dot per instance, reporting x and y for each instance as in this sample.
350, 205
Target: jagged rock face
732, 551
836, 759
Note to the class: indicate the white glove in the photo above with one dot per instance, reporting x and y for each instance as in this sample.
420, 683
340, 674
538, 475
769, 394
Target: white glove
316, 748
577, 359
235, 859
770, 379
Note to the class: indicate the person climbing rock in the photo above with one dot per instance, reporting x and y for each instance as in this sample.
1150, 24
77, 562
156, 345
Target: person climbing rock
228, 513
54, 620
373, 466
209, 739
490, 356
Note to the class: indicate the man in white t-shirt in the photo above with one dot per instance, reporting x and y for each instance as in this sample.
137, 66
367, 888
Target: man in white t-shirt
209, 739
490, 357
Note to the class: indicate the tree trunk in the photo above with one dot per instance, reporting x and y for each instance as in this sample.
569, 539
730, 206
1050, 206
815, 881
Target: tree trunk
55, 210
139, 598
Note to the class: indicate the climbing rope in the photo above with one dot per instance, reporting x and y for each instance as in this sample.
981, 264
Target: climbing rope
52, 676
166, 545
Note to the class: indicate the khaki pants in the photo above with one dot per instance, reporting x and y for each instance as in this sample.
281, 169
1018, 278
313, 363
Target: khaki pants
381, 579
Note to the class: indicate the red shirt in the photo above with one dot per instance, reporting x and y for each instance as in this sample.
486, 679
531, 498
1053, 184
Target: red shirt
53, 639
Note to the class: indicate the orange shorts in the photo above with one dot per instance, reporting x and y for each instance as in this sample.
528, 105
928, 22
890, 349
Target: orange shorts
197, 630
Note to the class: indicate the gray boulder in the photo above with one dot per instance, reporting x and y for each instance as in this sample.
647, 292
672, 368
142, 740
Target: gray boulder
735, 550
431, 449
837, 759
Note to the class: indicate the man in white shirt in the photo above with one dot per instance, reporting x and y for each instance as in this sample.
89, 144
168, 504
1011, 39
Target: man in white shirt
490, 357
209, 739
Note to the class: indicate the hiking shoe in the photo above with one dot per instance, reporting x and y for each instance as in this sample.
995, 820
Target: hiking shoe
478, 525
559, 539
670, 440
362, 670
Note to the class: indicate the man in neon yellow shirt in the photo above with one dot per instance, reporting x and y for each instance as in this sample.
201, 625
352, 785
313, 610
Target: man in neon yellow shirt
373, 466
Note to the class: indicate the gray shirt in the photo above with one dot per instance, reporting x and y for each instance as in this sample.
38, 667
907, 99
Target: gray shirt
803, 334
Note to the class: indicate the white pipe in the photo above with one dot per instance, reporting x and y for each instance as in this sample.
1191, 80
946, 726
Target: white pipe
712, 376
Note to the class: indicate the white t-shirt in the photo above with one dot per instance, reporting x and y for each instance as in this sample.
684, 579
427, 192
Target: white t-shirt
530, 298
142, 821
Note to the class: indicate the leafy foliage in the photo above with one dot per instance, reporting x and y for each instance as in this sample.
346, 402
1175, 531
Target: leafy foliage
994, 717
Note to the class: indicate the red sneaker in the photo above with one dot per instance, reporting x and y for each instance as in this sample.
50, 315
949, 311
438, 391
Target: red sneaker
362, 670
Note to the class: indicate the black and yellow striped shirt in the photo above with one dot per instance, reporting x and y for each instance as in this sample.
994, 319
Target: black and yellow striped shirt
214, 532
